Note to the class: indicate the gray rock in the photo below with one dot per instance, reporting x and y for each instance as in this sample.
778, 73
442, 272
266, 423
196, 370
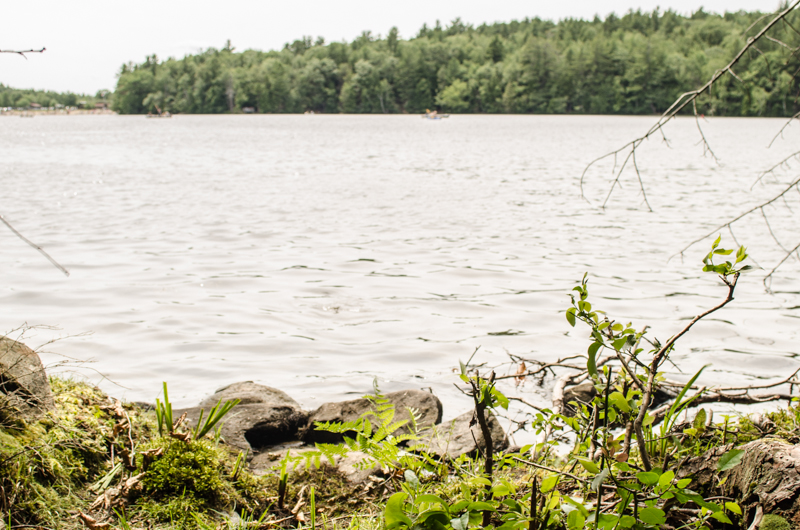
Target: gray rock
23, 381
428, 407
348, 466
249, 393
264, 417
254, 426
456, 437
351, 467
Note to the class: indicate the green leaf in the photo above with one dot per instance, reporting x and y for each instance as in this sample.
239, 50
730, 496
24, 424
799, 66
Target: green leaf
481, 507
575, 520
599, 479
581, 508
648, 478
653, 516
716, 242
500, 490
683, 483
502, 400
590, 466
393, 514
619, 401
460, 505
721, 517
666, 478
730, 460
699, 422
411, 479
431, 499
591, 364
735, 508
460, 523
571, 316
548, 483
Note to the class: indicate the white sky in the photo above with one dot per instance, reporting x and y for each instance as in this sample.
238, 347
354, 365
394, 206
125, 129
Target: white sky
88, 40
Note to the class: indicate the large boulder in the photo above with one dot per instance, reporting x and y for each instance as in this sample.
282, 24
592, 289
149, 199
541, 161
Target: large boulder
24, 388
427, 406
767, 479
264, 417
457, 437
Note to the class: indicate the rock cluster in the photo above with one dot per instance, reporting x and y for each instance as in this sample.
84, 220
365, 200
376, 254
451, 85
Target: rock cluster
265, 419
267, 422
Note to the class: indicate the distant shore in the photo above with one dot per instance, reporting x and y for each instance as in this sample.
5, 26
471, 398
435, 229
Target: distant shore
59, 112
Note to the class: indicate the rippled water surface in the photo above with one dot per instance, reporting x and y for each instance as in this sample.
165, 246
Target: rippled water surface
312, 253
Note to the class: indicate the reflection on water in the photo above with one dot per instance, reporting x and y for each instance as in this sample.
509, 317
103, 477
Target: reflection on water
312, 253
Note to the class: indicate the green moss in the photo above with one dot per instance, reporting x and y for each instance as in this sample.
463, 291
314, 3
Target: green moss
184, 511
786, 426
774, 522
192, 468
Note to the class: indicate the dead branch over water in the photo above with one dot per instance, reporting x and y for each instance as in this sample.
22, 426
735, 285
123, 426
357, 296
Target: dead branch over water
628, 151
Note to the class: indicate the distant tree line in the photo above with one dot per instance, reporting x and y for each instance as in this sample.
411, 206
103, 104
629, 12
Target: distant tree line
23, 98
634, 64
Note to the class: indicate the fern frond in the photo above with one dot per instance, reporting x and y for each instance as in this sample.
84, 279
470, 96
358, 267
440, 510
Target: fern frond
339, 427
406, 438
390, 428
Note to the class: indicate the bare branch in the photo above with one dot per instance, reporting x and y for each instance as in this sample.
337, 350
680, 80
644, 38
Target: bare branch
768, 277
681, 103
706, 145
779, 164
780, 42
34, 245
751, 210
23, 52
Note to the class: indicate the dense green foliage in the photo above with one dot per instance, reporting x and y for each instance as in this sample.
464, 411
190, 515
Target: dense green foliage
22, 98
634, 64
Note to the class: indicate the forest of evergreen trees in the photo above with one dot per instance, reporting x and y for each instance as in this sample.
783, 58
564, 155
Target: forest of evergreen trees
634, 64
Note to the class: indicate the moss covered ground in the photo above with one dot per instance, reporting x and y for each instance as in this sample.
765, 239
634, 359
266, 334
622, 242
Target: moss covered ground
96, 462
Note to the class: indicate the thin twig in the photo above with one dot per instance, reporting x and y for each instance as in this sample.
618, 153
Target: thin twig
34, 245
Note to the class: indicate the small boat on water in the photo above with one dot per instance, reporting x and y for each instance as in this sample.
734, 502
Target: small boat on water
434, 115
160, 114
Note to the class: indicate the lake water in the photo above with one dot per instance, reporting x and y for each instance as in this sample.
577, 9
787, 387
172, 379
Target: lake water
313, 253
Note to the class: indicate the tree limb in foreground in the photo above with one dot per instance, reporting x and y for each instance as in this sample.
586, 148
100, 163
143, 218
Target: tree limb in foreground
684, 100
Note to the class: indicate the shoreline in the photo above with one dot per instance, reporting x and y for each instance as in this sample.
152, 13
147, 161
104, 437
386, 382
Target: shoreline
59, 112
